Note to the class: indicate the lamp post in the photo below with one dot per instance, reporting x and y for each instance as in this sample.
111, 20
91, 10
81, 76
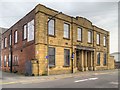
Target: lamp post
48, 40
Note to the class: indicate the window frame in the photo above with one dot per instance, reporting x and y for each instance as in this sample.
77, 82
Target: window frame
5, 42
54, 61
104, 42
91, 36
5, 61
105, 59
29, 26
15, 35
24, 31
98, 59
9, 60
68, 31
98, 39
10, 39
68, 56
80, 40
53, 27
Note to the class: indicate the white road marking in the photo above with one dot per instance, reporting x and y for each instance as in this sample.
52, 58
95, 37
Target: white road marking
86, 80
116, 83
92, 78
81, 80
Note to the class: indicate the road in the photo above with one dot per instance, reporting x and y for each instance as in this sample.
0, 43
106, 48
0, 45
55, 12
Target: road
99, 79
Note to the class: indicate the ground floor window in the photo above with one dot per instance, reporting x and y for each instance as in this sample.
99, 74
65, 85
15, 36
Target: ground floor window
16, 60
51, 52
66, 57
9, 60
105, 59
5, 59
98, 58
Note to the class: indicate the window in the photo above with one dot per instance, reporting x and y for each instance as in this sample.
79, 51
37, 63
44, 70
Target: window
51, 56
5, 42
9, 60
10, 41
5, 59
25, 32
104, 40
79, 34
89, 36
2, 44
15, 37
30, 35
15, 60
98, 58
98, 39
105, 59
66, 57
51, 27
66, 31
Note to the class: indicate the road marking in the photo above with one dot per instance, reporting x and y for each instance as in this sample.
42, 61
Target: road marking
86, 80
81, 80
92, 78
116, 83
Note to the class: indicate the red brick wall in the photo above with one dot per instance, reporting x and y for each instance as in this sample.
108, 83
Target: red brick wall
23, 49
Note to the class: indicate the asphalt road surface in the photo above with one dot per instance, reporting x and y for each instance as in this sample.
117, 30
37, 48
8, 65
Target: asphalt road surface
104, 79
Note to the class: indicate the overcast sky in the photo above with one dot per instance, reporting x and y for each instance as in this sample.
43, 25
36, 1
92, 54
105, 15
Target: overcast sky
102, 14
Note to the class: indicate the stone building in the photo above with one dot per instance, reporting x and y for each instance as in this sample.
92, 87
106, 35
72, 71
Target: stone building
48, 42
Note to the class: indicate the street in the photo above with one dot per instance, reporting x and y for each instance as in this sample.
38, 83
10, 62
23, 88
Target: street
89, 79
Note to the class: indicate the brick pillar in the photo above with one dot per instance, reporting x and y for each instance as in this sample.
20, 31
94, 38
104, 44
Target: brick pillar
86, 61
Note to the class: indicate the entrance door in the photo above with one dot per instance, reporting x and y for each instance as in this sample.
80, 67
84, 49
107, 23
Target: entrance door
78, 60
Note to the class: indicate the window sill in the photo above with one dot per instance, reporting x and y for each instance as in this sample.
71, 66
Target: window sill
66, 66
98, 44
52, 35
52, 66
89, 42
79, 41
66, 38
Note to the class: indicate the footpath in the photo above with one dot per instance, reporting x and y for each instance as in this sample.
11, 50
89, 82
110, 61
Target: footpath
12, 78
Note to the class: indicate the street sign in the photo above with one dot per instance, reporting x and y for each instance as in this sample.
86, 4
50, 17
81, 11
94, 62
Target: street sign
47, 57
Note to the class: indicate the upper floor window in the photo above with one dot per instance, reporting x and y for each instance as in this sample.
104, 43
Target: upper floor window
79, 34
2, 44
98, 58
66, 57
16, 36
98, 39
51, 27
89, 36
30, 35
104, 40
105, 59
25, 32
10, 39
5, 42
66, 30
51, 56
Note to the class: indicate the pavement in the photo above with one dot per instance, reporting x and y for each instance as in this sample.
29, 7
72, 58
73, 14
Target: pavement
109, 77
